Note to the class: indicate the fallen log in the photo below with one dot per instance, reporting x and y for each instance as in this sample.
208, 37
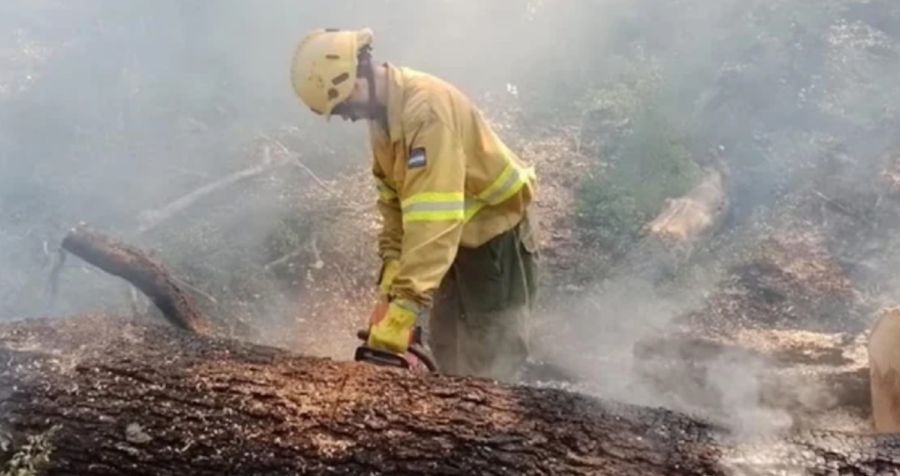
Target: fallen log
798, 379
669, 240
698, 214
107, 396
145, 273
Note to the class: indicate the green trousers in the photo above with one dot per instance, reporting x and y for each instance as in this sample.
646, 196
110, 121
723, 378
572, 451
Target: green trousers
479, 322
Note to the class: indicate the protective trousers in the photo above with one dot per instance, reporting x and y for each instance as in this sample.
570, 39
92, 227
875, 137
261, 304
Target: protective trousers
479, 322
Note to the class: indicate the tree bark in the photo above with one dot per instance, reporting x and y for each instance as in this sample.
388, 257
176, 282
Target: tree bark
884, 368
117, 397
145, 273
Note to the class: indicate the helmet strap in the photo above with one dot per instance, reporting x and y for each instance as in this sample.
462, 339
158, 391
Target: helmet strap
365, 69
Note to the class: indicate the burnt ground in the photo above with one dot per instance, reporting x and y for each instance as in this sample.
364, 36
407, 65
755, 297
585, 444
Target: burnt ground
767, 321
791, 308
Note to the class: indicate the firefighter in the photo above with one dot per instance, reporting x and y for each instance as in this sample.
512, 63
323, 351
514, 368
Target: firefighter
456, 243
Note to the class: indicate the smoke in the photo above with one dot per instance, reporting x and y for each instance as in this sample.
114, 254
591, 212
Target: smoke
109, 109
781, 89
624, 342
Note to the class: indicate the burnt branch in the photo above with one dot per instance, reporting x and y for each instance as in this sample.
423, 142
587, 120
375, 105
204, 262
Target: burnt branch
145, 273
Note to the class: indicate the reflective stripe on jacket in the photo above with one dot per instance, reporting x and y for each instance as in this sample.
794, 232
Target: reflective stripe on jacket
444, 180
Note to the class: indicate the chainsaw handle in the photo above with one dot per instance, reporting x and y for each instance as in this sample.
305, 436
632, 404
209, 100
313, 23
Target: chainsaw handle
414, 349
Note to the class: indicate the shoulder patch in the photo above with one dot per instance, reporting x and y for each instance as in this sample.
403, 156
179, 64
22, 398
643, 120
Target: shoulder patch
416, 158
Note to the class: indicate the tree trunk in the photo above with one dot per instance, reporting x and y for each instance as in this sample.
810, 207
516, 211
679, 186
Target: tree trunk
116, 397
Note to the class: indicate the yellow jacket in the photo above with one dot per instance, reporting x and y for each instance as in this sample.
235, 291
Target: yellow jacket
444, 180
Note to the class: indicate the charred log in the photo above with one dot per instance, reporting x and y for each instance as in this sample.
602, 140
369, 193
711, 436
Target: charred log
688, 220
145, 273
130, 399
118, 397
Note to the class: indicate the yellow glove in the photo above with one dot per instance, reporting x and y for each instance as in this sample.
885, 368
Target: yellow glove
388, 273
392, 331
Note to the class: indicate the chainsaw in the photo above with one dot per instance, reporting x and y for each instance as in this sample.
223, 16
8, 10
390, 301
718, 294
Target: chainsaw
417, 358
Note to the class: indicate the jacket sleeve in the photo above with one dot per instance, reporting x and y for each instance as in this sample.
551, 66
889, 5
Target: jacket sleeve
389, 239
433, 208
